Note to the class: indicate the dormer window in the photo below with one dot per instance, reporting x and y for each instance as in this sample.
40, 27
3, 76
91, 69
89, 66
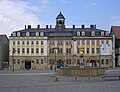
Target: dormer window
92, 33
42, 34
78, 33
27, 34
102, 33
83, 33
37, 33
107, 33
14, 34
18, 34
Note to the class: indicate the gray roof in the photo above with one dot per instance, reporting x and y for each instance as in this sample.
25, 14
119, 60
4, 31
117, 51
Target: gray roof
62, 32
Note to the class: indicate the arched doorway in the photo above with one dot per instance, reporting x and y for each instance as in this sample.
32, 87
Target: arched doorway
60, 63
27, 64
93, 63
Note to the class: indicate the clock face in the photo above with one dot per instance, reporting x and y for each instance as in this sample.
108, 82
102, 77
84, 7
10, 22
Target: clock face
105, 49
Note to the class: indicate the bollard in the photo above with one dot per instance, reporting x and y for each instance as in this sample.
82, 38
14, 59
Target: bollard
56, 79
75, 78
102, 77
89, 78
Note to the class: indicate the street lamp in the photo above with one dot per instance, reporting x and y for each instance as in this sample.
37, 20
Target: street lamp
55, 48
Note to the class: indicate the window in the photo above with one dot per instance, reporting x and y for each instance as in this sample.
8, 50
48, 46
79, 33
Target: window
93, 42
78, 50
87, 50
37, 61
106, 61
27, 42
102, 61
78, 42
32, 42
78, 61
37, 33
83, 33
23, 50
98, 50
32, 50
60, 50
102, 41
23, 42
42, 51
68, 50
13, 42
59, 42
68, 42
41, 42
41, 61
18, 34
68, 61
18, 61
78, 33
18, 42
37, 50
106, 41
14, 61
51, 42
97, 42
13, 50
107, 33
102, 33
92, 33
92, 50
18, 50
37, 42
83, 42
27, 50
27, 34
14, 34
51, 50
88, 42
42, 34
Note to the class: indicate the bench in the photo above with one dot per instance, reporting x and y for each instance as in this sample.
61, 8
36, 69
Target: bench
110, 76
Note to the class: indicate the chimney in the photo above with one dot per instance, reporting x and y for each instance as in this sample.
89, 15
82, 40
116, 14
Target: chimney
46, 26
92, 26
82, 26
38, 26
29, 26
25, 27
73, 26
50, 26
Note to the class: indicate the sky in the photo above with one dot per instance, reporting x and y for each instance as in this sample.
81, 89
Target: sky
15, 14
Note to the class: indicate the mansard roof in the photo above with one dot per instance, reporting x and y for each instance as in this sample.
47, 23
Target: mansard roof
63, 32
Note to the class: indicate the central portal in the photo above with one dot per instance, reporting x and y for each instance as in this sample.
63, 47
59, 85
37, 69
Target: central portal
27, 65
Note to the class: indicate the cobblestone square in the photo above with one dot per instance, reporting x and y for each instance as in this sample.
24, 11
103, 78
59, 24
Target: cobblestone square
43, 81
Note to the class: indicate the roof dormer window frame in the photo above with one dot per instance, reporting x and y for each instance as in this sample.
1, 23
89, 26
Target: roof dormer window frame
14, 34
106, 33
83, 33
93, 33
37, 33
42, 34
78, 33
18, 33
102, 33
27, 33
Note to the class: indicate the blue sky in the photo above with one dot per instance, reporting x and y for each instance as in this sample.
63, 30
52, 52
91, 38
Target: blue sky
14, 14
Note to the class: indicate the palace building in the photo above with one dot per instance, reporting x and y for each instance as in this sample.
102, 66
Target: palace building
51, 48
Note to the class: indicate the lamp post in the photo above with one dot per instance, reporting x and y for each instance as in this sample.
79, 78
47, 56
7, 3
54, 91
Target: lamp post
55, 49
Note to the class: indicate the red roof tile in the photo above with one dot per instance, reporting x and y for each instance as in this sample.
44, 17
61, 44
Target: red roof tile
116, 30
